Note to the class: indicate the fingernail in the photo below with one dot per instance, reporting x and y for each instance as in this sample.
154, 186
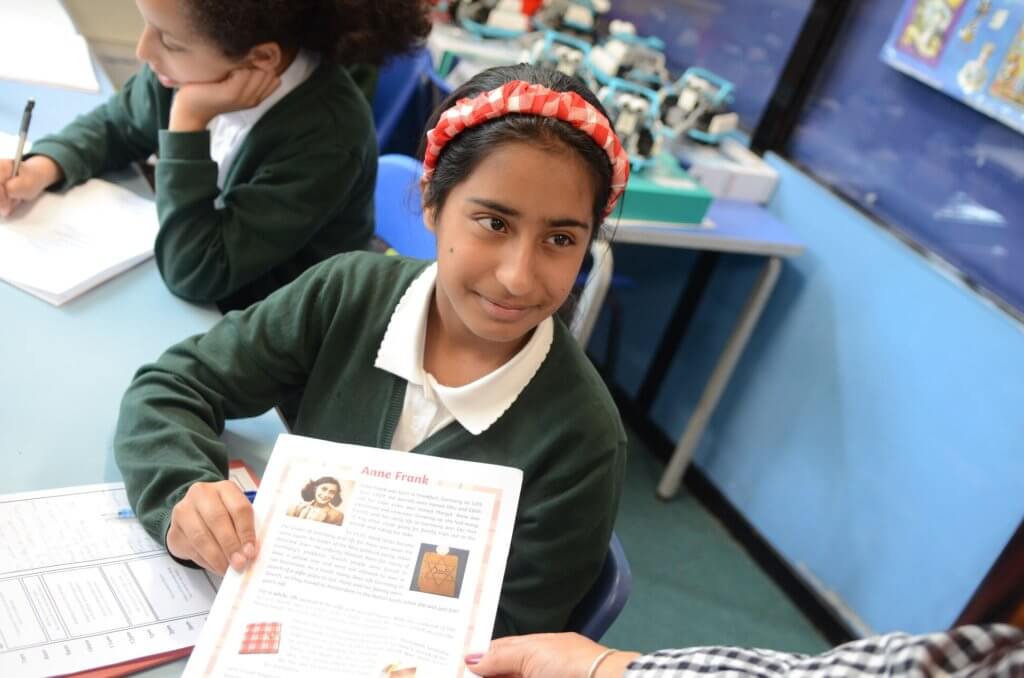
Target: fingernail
249, 550
473, 659
238, 561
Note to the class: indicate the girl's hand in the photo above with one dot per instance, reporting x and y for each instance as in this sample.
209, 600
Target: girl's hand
547, 655
34, 176
213, 526
195, 105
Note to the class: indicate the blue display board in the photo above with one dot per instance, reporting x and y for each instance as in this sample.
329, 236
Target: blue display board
943, 174
972, 50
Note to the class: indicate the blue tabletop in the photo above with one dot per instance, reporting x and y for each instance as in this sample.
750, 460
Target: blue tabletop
730, 226
55, 107
64, 369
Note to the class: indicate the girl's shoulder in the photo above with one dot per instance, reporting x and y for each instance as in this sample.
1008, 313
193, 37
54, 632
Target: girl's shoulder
363, 276
572, 389
328, 110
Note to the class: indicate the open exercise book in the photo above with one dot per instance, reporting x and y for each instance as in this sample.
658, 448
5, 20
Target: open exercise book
396, 572
62, 245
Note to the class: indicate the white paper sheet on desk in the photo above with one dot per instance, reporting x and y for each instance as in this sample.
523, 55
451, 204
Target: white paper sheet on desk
38, 44
61, 245
81, 588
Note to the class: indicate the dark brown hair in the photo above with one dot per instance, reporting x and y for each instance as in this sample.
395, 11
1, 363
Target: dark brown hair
460, 156
346, 32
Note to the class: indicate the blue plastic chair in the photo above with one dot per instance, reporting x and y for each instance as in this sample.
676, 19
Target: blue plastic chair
399, 214
606, 598
408, 90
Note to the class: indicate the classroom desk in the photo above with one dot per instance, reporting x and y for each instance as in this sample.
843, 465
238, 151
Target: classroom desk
730, 227
63, 370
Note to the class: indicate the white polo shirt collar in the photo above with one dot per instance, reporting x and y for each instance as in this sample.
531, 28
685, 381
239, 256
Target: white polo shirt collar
477, 405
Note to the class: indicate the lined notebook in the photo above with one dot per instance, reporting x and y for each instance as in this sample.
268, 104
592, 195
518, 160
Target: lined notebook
63, 245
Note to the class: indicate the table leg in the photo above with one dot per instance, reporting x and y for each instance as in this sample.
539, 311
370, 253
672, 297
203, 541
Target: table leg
682, 315
672, 477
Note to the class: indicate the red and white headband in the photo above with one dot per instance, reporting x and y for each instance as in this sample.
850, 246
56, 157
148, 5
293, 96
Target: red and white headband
522, 97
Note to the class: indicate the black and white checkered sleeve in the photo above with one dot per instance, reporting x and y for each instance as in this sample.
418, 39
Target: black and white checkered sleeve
995, 651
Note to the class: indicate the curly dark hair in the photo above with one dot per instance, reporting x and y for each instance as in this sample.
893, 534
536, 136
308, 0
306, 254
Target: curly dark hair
346, 32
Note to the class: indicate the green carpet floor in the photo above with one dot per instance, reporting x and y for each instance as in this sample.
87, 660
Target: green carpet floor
692, 583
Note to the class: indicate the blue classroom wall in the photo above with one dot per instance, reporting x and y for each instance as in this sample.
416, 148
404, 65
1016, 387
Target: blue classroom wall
872, 431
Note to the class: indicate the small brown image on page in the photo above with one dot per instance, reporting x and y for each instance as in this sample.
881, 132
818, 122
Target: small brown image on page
437, 574
439, 570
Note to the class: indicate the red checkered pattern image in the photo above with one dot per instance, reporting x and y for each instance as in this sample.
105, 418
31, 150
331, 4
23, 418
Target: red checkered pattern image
531, 99
261, 638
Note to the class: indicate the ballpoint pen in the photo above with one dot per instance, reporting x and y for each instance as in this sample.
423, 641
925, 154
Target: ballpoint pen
26, 118
128, 513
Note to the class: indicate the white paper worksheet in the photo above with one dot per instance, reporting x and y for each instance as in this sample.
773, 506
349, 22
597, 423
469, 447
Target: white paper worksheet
39, 44
82, 588
372, 563
61, 245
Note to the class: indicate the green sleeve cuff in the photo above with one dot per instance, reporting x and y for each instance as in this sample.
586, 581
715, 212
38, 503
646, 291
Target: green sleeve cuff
185, 145
163, 521
71, 164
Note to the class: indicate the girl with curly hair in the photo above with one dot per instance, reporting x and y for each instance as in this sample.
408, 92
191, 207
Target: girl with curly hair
267, 157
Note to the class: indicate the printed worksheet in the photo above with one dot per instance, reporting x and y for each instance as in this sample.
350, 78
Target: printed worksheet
372, 563
61, 245
65, 61
82, 586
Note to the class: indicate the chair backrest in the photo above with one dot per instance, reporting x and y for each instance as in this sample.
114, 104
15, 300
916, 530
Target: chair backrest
601, 606
595, 289
399, 215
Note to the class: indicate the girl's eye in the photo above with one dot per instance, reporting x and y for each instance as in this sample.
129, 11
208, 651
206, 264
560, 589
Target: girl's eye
492, 224
562, 240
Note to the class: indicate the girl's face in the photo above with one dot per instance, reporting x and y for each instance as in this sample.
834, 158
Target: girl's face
511, 238
326, 492
174, 51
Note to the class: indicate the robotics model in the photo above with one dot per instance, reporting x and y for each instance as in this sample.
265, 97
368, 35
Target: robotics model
576, 17
630, 57
500, 19
563, 53
633, 112
696, 106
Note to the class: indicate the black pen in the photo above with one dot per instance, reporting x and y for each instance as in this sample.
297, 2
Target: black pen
26, 118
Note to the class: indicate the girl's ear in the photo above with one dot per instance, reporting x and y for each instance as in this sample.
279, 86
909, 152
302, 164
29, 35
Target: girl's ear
266, 56
429, 213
